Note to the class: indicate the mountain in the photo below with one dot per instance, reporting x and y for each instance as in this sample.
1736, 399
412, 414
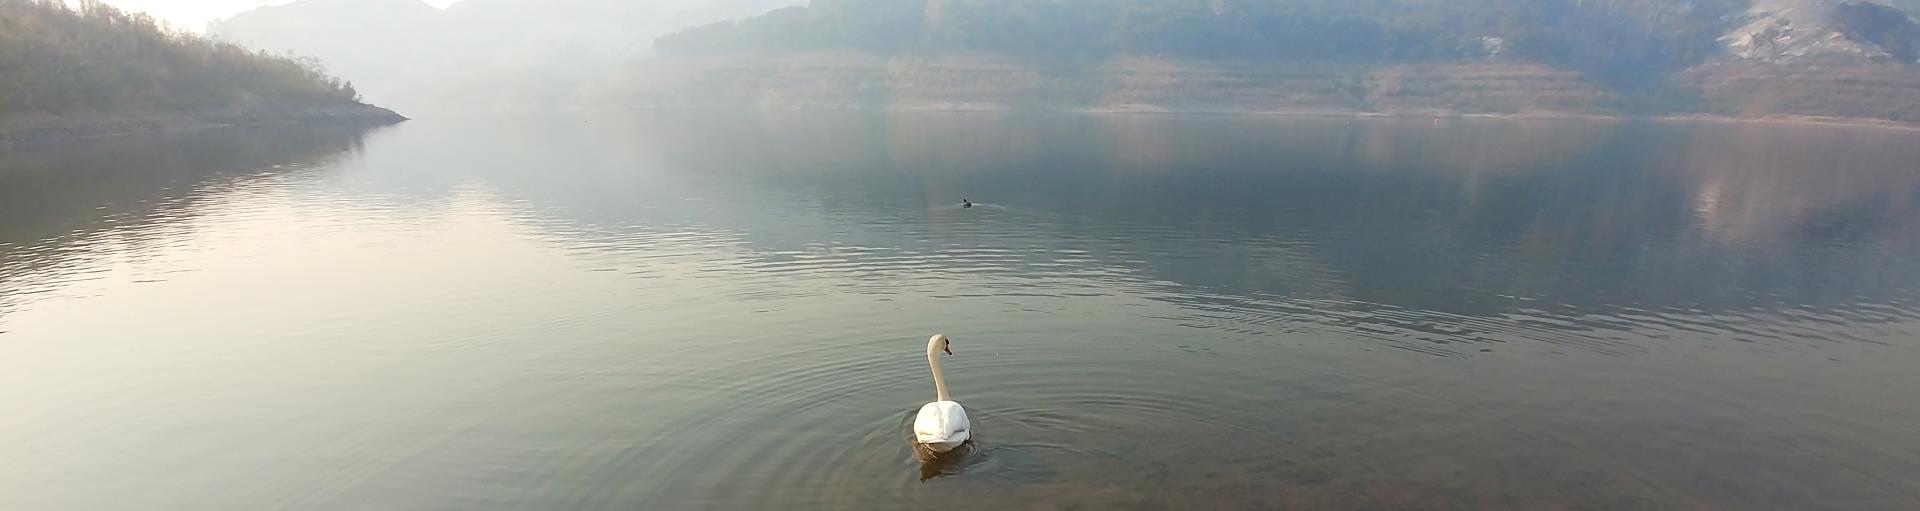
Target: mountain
1787, 31
1845, 58
1611, 39
477, 54
71, 73
387, 39
1747, 58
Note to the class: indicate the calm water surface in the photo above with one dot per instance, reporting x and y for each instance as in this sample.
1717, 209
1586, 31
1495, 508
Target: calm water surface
728, 312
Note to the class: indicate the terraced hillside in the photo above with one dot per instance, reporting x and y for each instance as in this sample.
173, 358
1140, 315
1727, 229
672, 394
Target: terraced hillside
1744, 58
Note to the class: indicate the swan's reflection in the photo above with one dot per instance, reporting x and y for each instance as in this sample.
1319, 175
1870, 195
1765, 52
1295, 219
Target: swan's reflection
954, 462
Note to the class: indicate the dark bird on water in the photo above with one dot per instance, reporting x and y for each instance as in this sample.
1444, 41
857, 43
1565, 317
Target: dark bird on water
964, 203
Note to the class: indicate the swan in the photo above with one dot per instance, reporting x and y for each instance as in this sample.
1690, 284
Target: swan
942, 424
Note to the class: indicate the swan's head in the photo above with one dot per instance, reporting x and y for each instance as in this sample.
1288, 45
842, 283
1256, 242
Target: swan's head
940, 342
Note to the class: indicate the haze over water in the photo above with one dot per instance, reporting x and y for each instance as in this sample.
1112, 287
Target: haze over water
728, 311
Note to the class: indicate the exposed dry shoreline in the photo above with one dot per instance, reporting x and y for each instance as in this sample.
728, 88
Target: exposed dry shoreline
1152, 110
1853, 95
45, 129
1782, 120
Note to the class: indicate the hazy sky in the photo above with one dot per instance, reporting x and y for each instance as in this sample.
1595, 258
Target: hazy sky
194, 14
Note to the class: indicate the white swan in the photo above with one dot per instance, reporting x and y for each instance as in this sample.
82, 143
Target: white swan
942, 424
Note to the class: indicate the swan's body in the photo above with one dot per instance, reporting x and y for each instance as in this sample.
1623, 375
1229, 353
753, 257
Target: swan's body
942, 424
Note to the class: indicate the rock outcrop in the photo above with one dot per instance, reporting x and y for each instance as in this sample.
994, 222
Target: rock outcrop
1826, 31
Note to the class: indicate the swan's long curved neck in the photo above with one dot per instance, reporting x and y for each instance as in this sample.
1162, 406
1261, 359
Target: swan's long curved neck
939, 381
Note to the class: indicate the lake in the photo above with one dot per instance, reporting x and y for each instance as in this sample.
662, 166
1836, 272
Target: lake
729, 311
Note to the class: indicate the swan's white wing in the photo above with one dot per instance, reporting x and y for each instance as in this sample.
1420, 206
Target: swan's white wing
942, 425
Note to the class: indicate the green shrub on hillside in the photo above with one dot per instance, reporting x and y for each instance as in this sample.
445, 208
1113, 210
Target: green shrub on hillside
93, 58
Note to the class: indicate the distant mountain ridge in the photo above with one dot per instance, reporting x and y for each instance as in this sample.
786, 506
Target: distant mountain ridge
383, 34
1744, 58
1601, 36
476, 54
1845, 58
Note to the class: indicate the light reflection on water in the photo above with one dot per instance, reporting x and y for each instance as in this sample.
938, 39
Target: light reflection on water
721, 311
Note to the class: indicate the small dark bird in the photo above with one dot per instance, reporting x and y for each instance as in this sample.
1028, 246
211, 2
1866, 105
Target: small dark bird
966, 204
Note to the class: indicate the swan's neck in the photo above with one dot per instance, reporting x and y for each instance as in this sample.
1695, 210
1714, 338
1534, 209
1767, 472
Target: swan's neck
939, 381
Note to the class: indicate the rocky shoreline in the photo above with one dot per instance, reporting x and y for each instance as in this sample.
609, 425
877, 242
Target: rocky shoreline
1872, 95
46, 129
1329, 113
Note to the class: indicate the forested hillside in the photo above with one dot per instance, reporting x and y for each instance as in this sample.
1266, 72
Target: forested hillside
63, 67
1611, 39
1845, 58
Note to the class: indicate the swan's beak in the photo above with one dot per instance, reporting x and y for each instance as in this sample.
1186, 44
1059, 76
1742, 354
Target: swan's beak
948, 349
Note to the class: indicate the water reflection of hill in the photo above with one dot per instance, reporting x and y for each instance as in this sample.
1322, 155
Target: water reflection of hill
1467, 198
1467, 217
56, 190
1287, 223
58, 199
1409, 230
